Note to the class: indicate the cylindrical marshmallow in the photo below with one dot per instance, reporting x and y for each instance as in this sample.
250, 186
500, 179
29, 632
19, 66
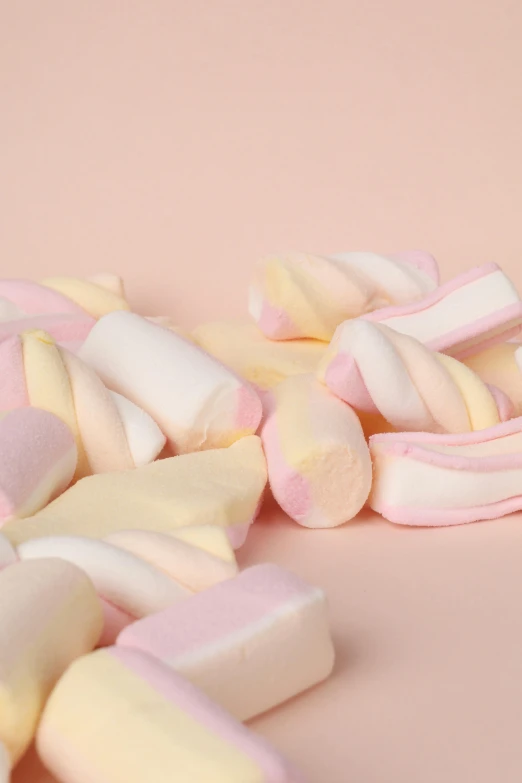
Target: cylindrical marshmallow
49, 615
198, 402
319, 466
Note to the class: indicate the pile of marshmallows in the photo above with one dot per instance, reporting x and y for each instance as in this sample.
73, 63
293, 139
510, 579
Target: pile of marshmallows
134, 458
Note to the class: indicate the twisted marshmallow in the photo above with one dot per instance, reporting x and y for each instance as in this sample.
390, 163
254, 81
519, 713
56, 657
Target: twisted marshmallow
302, 295
379, 371
93, 296
111, 433
137, 573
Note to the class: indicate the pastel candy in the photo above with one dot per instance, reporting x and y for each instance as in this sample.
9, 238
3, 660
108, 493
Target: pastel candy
197, 557
197, 401
156, 727
249, 643
379, 371
49, 615
122, 578
473, 311
319, 466
111, 433
37, 461
62, 327
501, 366
139, 572
302, 295
263, 362
218, 487
426, 479
96, 297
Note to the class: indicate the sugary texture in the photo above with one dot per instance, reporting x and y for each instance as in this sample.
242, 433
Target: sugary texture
473, 311
111, 433
124, 579
37, 461
217, 487
197, 557
96, 296
120, 716
379, 371
319, 466
49, 615
263, 362
249, 643
63, 327
302, 295
138, 572
501, 366
198, 402
426, 479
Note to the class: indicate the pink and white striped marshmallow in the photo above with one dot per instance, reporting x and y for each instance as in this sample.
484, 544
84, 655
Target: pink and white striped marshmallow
426, 479
474, 311
249, 643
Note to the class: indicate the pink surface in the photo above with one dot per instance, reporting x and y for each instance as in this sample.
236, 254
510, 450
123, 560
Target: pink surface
177, 143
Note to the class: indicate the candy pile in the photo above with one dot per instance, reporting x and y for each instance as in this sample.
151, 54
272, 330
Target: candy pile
135, 457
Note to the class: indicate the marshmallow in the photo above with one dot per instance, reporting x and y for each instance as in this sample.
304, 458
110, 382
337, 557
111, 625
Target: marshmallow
263, 362
301, 295
425, 479
63, 327
197, 557
61, 295
220, 487
120, 715
49, 615
37, 461
198, 403
249, 643
319, 466
379, 371
111, 433
122, 578
501, 366
473, 311
138, 572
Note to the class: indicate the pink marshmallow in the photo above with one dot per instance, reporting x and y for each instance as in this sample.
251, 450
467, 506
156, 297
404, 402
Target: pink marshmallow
37, 461
475, 310
250, 643
426, 479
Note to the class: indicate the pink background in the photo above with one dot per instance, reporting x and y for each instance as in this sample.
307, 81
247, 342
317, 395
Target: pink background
176, 142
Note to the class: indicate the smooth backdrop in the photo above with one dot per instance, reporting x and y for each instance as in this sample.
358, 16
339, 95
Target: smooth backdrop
176, 142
